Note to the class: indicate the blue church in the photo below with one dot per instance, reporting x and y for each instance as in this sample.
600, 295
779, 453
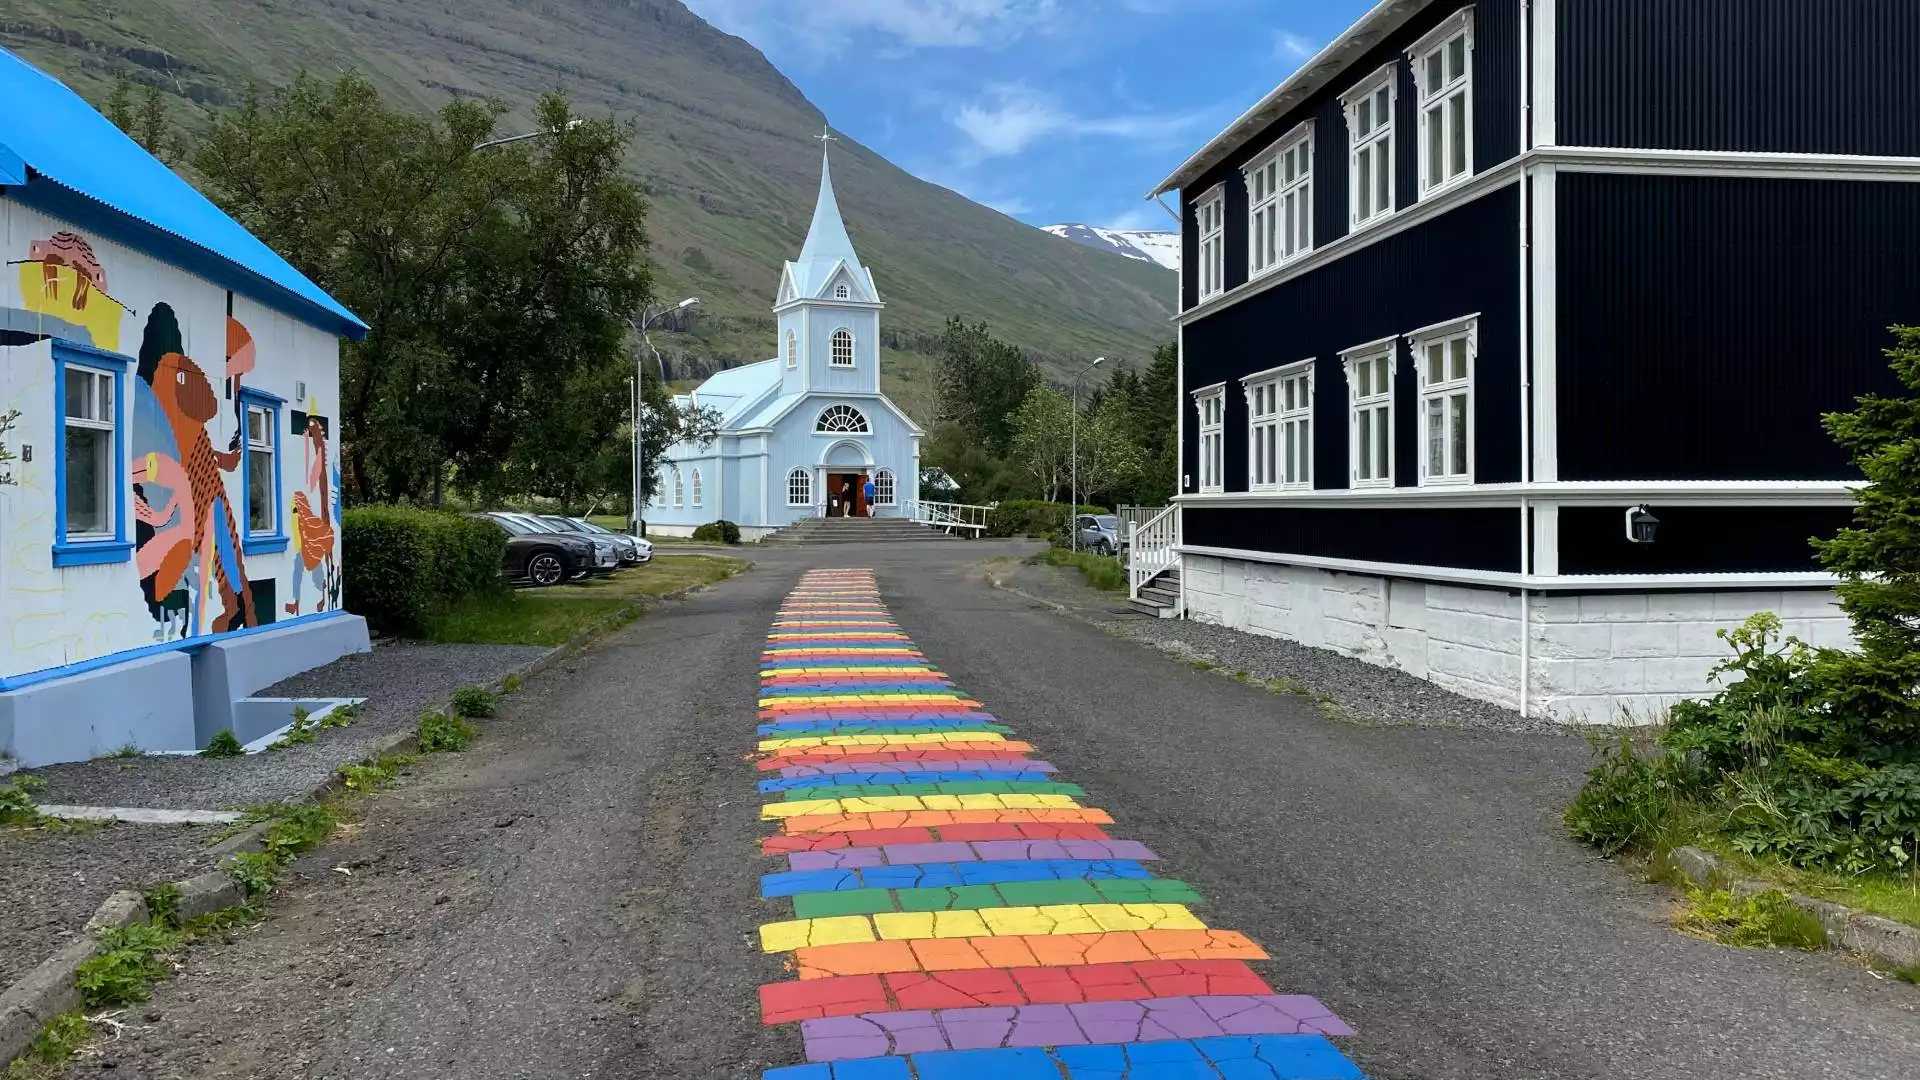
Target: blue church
802, 433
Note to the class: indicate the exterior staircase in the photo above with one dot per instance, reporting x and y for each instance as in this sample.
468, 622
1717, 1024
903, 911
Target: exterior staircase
855, 530
1159, 597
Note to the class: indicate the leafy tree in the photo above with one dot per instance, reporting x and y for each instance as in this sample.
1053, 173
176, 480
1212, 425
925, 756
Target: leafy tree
146, 123
1041, 431
1109, 458
982, 381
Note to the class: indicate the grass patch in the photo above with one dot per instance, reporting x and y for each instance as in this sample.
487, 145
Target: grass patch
1767, 920
48, 1054
130, 960
444, 733
1889, 895
473, 701
17, 806
224, 745
560, 614
1102, 573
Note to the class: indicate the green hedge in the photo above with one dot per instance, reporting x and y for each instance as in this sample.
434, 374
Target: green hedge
403, 564
718, 532
1032, 517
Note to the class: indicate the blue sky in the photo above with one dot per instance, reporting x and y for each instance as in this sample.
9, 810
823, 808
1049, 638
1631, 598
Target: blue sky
1049, 110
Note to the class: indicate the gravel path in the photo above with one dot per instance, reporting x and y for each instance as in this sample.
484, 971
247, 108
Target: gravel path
1365, 693
399, 679
51, 880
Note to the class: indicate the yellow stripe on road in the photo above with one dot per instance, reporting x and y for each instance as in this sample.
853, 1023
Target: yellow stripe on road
1046, 921
881, 804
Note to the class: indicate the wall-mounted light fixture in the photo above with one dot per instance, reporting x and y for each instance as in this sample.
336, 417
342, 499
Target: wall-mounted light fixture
1642, 526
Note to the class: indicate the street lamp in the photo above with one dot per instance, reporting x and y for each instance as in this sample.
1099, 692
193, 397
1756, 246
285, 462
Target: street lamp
1073, 512
571, 124
637, 392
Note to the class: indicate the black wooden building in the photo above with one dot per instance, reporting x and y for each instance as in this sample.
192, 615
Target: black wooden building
1487, 281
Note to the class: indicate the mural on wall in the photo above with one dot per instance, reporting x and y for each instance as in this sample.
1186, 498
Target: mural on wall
61, 278
316, 516
173, 450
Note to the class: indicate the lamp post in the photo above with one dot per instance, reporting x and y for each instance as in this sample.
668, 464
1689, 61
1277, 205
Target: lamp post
1073, 512
571, 124
637, 382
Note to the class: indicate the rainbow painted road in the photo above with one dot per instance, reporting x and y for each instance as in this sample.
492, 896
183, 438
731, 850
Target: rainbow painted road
959, 912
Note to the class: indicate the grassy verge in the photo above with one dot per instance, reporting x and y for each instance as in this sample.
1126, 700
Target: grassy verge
1893, 896
556, 616
1104, 574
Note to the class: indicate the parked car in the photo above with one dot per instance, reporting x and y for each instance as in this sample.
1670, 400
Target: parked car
598, 557
1100, 533
633, 550
541, 558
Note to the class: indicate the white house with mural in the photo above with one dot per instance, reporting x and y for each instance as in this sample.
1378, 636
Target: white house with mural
169, 528
802, 433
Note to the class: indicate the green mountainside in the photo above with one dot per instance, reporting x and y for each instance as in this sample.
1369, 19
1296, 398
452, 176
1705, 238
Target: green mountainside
726, 148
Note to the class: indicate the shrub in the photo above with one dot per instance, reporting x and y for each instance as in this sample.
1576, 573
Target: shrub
403, 564
1032, 517
16, 801
224, 745
1762, 921
442, 733
511, 684
254, 871
123, 970
473, 701
1626, 800
718, 532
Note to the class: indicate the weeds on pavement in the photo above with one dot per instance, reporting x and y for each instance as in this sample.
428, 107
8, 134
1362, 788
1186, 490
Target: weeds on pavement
1764, 920
473, 701
512, 684
124, 970
303, 731
17, 806
224, 745
163, 904
341, 715
52, 1049
442, 733
361, 779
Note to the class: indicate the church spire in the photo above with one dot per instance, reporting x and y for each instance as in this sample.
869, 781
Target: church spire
827, 239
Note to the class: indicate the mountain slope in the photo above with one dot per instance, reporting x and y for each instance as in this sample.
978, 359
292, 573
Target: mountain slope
1160, 248
727, 150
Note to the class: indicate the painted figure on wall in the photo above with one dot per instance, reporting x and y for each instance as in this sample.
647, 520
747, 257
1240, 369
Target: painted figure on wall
62, 278
314, 517
211, 559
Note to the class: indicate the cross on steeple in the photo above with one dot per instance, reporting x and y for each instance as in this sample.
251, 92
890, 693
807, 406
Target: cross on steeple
825, 137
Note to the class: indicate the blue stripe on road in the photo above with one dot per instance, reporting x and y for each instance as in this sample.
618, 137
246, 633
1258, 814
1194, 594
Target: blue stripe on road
1231, 1057
855, 727
950, 875
872, 779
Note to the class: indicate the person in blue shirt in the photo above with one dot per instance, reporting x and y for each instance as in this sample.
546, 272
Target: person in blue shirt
868, 491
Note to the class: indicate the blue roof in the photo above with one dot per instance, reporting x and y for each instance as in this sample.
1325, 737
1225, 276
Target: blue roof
48, 133
736, 391
827, 245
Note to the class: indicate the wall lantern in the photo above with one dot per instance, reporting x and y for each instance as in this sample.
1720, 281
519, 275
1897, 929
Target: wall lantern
1642, 526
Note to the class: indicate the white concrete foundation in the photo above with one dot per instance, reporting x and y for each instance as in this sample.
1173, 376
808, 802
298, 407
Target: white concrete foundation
1620, 658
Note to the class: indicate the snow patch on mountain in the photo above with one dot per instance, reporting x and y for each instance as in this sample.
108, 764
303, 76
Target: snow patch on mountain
1154, 247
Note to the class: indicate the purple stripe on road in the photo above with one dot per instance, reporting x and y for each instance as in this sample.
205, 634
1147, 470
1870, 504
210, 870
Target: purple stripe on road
953, 851
795, 772
1087, 1023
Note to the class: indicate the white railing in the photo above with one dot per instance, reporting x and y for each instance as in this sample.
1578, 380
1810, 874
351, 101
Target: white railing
952, 517
1151, 552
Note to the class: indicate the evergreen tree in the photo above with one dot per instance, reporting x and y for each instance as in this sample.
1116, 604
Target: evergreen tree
982, 381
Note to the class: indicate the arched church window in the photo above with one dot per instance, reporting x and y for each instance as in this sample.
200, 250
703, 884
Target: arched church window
842, 420
841, 293
793, 350
659, 496
883, 488
696, 487
799, 488
843, 348
679, 490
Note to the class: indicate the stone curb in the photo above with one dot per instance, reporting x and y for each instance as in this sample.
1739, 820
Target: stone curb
1889, 943
48, 990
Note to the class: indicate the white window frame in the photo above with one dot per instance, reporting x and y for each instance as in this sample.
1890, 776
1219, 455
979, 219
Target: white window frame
658, 499
103, 398
1280, 428
1211, 404
1364, 365
1436, 44
1379, 146
793, 350
266, 447
841, 292
1280, 203
885, 488
800, 488
1210, 222
821, 426
699, 497
833, 359
679, 490
1465, 331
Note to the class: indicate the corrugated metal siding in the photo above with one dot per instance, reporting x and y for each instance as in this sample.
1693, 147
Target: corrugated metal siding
1464, 538
1496, 110
1809, 76
1698, 539
1706, 323
1464, 262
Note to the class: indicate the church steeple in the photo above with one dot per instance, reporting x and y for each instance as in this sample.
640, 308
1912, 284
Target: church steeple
827, 260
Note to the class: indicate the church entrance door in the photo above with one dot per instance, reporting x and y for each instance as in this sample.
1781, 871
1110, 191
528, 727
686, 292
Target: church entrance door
846, 494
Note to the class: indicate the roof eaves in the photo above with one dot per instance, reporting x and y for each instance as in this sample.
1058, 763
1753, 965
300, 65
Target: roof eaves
1385, 17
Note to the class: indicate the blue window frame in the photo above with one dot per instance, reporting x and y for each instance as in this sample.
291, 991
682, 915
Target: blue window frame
91, 484
260, 466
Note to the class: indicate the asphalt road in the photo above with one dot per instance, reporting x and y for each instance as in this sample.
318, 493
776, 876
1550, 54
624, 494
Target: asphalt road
578, 895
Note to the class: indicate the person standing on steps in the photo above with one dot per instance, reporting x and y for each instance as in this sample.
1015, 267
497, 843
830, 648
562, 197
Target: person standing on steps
846, 498
868, 491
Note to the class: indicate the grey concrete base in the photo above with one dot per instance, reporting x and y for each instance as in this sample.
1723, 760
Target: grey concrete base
147, 702
225, 671
133, 815
1884, 941
257, 721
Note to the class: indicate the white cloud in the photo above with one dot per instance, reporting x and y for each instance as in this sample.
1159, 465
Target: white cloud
1014, 116
1291, 46
1148, 218
909, 23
